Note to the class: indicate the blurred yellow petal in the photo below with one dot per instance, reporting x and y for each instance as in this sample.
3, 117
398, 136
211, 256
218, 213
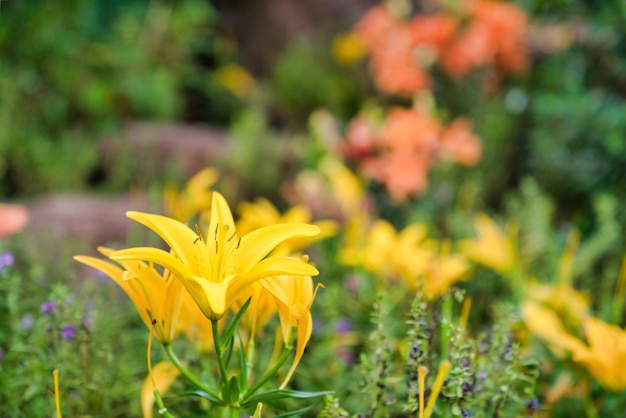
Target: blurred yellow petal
348, 48
606, 356
236, 79
195, 197
492, 248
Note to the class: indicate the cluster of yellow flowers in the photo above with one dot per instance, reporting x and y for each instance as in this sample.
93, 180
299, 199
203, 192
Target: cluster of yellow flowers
190, 288
556, 313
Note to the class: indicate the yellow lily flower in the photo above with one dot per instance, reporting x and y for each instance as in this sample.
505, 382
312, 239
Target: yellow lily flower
405, 254
348, 49
194, 325
163, 376
294, 297
605, 357
493, 247
260, 310
182, 205
156, 297
546, 324
444, 270
263, 213
605, 354
215, 267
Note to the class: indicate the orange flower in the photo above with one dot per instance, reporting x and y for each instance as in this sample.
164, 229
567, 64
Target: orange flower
496, 35
395, 66
13, 218
408, 143
391, 43
375, 24
458, 143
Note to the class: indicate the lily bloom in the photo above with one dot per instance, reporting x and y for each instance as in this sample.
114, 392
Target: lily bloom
261, 213
195, 197
216, 266
157, 297
493, 247
604, 353
294, 297
605, 357
261, 309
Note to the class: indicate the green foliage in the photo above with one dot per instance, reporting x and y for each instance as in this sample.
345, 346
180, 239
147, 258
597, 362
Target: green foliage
77, 70
48, 325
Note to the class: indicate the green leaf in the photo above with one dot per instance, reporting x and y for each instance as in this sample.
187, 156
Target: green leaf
299, 412
232, 325
230, 391
228, 353
278, 394
243, 369
197, 393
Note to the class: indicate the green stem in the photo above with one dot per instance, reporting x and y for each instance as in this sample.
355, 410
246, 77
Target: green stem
446, 326
218, 352
590, 407
162, 409
271, 372
190, 377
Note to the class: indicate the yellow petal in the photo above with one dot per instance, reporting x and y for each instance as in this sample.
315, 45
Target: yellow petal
305, 330
177, 235
258, 243
154, 255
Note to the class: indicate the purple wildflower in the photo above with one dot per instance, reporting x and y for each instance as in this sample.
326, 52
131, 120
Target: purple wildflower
48, 307
68, 332
7, 259
27, 322
343, 325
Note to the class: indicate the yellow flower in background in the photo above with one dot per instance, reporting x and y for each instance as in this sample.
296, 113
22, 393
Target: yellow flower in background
263, 213
445, 269
294, 297
604, 354
347, 188
566, 301
262, 307
493, 247
156, 297
546, 324
235, 79
215, 267
348, 48
605, 357
195, 197
164, 374
405, 254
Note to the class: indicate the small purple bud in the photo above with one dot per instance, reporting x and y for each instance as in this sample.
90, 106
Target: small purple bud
7, 259
353, 283
68, 332
343, 325
48, 307
27, 322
